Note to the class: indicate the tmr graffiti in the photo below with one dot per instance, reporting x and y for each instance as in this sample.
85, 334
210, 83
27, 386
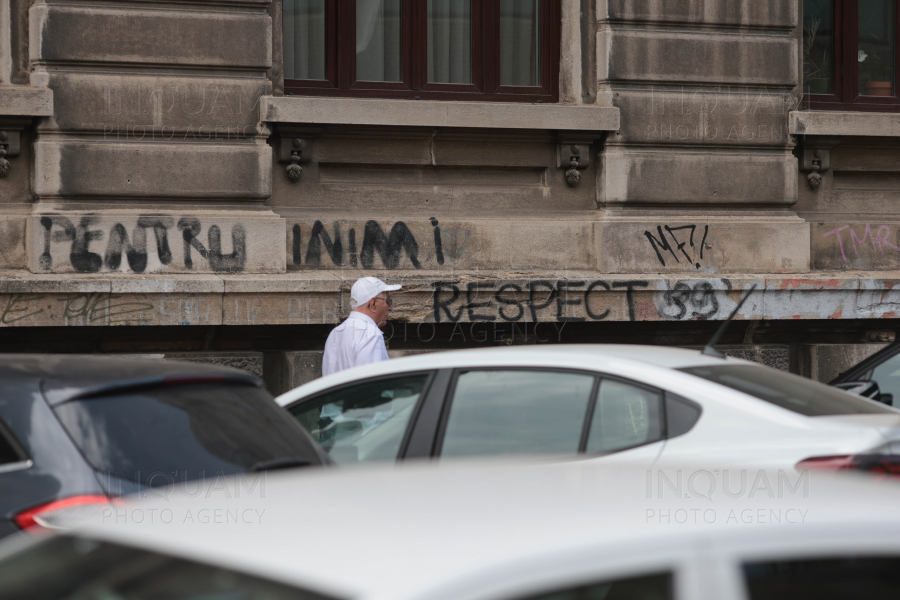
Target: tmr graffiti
379, 243
79, 238
880, 238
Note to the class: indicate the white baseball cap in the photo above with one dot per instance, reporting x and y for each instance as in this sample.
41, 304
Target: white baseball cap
367, 288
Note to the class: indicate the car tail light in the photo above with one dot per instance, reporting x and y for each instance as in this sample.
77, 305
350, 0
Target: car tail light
888, 464
54, 515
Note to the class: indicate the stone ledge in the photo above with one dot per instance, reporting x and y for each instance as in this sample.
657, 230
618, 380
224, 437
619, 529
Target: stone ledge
23, 101
427, 113
554, 298
845, 124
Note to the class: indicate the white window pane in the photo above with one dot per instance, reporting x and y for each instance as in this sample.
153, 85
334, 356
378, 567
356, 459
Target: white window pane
304, 39
625, 416
378, 40
365, 422
450, 41
517, 412
520, 42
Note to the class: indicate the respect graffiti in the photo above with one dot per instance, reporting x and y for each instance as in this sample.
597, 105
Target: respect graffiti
538, 300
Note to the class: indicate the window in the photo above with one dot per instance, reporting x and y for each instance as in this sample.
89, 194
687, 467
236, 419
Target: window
516, 412
9, 450
364, 422
155, 437
426, 49
645, 587
625, 416
846, 578
850, 59
788, 391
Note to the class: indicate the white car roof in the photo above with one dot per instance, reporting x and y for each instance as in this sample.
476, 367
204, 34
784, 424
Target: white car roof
403, 532
598, 357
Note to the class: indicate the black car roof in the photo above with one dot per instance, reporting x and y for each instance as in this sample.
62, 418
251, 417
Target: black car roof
62, 377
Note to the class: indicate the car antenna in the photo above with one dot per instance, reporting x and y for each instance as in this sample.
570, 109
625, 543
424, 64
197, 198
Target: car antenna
710, 348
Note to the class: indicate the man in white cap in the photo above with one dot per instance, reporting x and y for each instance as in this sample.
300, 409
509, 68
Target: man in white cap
358, 340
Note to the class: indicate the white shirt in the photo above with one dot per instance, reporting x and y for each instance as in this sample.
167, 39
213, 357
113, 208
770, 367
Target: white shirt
356, 341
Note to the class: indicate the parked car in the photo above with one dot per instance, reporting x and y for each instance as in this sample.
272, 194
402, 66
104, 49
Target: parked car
877, 377
484, 532
645, 402
78, 430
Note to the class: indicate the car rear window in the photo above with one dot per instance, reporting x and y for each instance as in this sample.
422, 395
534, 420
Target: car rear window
845, 578
788, 391
89, 569
165, 435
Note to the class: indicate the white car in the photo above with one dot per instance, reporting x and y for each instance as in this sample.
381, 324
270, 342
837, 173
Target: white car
645, 402
571, 531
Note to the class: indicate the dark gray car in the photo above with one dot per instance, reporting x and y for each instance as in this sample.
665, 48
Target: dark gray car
78, 430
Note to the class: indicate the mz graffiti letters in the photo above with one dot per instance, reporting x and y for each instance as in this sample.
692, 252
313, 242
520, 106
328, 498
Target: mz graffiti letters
684, 237
90, 246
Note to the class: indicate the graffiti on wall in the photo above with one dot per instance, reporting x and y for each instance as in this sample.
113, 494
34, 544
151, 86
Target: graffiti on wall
380, 245
84, 242
877, 235
682, 247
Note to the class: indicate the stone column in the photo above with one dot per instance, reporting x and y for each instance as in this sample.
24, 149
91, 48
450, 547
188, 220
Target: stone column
701, 175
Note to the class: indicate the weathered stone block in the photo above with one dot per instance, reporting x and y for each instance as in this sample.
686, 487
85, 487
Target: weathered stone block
25, 101
156, 108
663, 56
207, 169
134, 242
700, 177
727, 115
12, 241
854, 245
756, 13
67, 33
421, 243
735, 244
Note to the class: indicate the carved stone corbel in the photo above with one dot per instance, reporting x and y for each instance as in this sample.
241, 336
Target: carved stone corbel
10, 142
816, 159
575, 154
295, 148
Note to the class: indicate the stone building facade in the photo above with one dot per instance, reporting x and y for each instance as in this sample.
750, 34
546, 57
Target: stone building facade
151, 201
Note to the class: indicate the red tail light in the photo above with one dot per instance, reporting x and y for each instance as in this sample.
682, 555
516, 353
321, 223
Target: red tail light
46, 516
888, 464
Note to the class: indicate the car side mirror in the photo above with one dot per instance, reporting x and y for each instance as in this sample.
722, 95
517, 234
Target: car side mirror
866, 389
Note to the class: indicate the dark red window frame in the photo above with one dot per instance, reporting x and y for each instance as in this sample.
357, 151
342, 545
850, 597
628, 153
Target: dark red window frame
846, 66
340, 58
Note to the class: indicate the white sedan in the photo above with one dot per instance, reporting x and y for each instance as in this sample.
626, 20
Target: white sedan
573, 531
647, 403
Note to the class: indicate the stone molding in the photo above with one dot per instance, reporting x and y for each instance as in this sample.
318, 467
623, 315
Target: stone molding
466, 301
24, 101
837, 124
414, 113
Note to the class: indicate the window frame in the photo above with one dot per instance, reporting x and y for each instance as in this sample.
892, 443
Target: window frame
845, 73
450, 392
430, 377
340, 55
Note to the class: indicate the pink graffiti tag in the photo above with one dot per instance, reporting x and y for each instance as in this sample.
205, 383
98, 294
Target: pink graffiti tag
881, 238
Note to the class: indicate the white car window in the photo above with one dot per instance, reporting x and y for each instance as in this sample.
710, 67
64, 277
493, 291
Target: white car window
365, 422
887, 376
656, 586
625, 416
496, 412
